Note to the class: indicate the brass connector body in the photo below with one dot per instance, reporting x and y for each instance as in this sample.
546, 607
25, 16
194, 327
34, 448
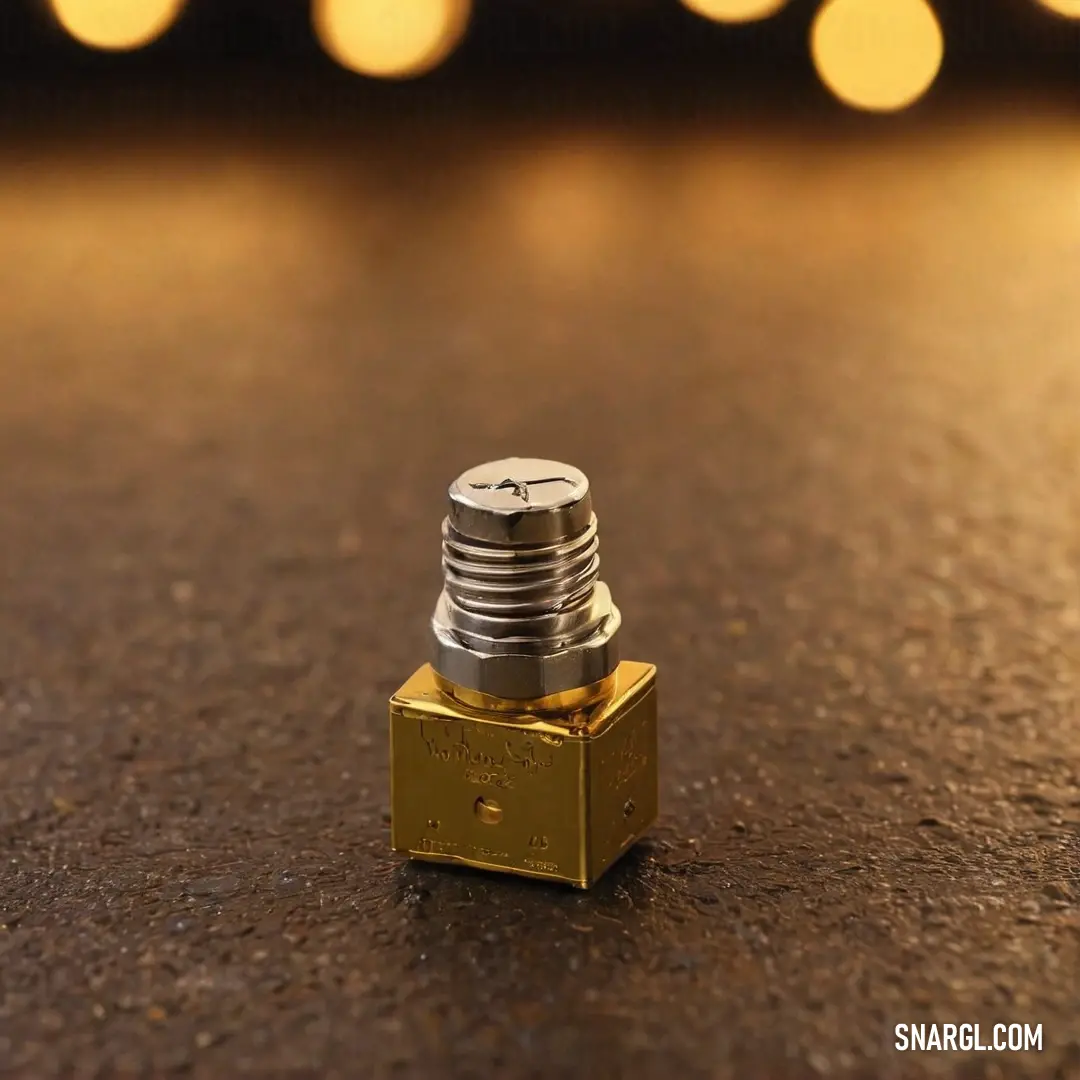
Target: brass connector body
556, 787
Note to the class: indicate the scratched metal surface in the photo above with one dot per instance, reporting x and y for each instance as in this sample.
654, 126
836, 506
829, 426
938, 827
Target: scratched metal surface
826, 385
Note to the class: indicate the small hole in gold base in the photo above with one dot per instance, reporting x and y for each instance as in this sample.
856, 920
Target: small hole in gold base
488, 811
628, 808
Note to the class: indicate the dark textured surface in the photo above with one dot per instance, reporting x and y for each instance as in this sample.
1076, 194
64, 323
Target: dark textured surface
827, 389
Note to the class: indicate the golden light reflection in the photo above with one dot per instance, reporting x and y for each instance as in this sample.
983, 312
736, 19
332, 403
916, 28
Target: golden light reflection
390, 38
879, 55
116, 24
1069, 8
734, 11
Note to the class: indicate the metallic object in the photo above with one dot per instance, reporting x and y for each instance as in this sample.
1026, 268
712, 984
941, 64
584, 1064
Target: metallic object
523, 614
525, 746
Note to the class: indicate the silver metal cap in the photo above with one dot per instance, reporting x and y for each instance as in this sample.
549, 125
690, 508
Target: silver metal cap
520, 501
523, 613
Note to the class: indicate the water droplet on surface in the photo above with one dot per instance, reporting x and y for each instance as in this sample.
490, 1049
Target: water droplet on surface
285, 883
179, 923
213, 887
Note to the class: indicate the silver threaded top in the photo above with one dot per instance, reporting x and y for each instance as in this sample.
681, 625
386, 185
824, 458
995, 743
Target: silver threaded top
523, 612
525, 598
521, 560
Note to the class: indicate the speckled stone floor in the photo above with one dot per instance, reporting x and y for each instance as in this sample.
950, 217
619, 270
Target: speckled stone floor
827, 386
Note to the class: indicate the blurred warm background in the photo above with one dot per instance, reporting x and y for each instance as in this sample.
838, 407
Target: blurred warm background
877, 55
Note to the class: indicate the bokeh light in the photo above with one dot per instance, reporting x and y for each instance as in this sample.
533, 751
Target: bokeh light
879, 55
116, 24
390, 38
734, 11
1069, 8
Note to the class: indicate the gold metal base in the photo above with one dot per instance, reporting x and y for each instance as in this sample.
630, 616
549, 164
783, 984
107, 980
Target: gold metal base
549, 789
